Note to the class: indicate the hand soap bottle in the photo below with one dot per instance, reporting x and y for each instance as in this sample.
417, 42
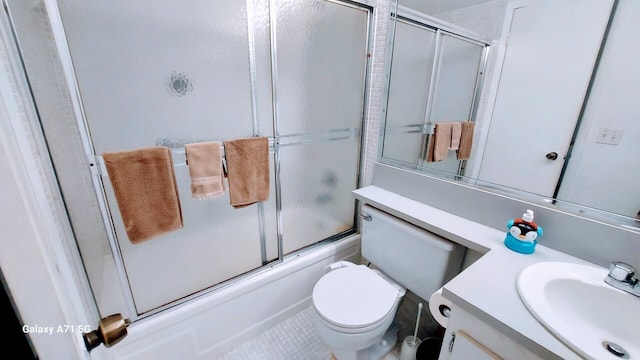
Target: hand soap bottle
523, 234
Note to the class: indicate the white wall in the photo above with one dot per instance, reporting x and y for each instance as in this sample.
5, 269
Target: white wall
596, 169
34, 263
64, 143
432, 7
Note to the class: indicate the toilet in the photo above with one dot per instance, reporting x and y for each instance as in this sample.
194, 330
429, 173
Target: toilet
355, 305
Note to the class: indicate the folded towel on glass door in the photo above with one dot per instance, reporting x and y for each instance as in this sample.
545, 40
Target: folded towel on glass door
439, 149
145, 188
247, 170
205, 168
466, 141
456, 132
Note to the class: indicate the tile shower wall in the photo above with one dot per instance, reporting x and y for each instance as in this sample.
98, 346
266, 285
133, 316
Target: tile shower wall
377, 80
486, 18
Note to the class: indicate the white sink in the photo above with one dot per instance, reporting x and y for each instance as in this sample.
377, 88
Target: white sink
575, 304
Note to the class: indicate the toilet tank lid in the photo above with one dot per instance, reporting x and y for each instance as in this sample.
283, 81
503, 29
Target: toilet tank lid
396, 223
354, 297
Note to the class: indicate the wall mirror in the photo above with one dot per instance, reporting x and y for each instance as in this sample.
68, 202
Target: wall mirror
550, 87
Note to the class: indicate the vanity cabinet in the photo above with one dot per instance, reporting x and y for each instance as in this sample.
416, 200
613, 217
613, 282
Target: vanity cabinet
469, 337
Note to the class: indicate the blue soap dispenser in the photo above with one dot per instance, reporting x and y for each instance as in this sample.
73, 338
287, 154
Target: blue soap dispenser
523, 234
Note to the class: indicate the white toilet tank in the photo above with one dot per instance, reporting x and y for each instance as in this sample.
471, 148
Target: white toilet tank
419, 260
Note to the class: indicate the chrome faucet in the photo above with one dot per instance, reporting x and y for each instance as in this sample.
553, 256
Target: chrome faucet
621, 276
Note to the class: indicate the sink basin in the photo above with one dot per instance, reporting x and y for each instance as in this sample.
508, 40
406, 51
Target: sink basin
574, 303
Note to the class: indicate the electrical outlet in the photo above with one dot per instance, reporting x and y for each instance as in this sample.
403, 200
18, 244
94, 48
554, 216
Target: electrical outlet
609, 136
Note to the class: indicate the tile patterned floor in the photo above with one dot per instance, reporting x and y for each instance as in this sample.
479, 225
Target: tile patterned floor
296, 338
293, 339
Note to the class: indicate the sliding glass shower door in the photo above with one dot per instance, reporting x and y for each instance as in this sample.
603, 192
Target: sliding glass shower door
171, 74
321, 69
176, 73
434, 77
408, 91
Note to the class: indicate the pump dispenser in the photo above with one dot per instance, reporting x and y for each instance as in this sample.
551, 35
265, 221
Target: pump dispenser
523, 234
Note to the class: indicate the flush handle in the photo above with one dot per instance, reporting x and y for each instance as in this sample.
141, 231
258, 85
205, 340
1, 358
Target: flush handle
552, 155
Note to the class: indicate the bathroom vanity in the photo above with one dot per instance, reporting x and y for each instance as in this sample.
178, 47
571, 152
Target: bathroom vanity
488, 318
487, 308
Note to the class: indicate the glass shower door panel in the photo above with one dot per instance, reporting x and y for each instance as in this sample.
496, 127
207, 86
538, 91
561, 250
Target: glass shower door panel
319, 178
216, 243
170, 74
408, 91
321, 61
457, 77
160, 72
261, 74
455, 89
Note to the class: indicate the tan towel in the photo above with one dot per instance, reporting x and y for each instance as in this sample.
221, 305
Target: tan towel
439, 144
247, 170
205, 167
456, 132
466, 141
144, 184
430, 147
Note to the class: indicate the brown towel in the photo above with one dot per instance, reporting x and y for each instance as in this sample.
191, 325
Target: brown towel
439, 144
247, 170
145, 188
205, 167
466, 141
456, 132
430, 147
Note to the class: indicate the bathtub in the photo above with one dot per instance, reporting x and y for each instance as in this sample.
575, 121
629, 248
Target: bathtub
214, 323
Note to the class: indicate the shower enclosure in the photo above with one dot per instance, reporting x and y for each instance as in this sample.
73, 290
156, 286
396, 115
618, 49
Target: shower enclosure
169, 73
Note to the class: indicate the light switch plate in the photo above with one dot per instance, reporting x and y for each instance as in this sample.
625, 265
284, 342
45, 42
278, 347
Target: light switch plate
609, 136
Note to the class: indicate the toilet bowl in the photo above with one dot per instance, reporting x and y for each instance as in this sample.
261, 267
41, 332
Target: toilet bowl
354, 308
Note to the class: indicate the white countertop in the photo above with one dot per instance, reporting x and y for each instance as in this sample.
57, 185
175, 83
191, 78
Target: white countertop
488, 286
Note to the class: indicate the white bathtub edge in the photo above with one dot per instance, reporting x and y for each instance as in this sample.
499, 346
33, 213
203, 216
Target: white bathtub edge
217, 322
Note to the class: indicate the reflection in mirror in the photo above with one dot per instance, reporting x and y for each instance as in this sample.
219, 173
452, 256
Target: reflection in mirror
558, 87
435, 75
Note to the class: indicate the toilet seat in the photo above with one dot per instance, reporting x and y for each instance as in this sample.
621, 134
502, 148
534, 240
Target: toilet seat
354, 299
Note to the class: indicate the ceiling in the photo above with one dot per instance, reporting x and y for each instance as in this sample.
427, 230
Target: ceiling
432, 7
